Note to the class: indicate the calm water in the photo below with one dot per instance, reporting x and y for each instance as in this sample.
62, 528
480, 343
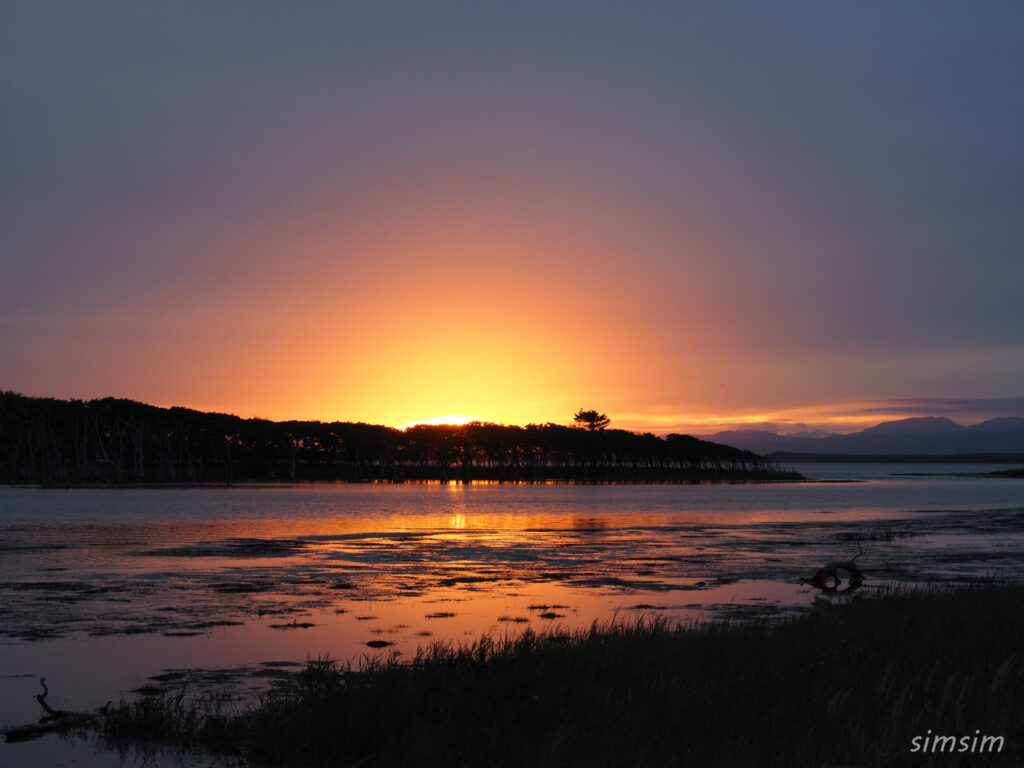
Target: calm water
101, 590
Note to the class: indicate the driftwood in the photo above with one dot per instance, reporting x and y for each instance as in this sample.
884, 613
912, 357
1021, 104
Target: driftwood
830, 578
52, 721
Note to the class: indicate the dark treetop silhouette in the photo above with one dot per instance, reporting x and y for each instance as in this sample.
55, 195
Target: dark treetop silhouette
591, 420
48, 441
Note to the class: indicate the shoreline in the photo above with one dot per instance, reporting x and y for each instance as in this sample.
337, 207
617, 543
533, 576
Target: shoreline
855, 684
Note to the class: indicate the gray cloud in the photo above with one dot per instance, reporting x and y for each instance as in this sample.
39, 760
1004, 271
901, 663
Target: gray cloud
952, 407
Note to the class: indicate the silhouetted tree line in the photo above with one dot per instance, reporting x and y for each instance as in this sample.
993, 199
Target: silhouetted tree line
68, 442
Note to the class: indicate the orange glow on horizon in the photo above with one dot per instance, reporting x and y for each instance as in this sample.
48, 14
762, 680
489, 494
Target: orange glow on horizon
517, 309
835, 417
450, 419
496, 225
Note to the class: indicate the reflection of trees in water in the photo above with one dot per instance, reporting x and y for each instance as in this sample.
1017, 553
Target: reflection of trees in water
588, 523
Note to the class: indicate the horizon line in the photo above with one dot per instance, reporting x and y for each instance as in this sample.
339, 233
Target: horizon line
783, 424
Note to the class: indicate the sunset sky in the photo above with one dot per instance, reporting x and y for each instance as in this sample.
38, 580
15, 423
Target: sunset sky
689, 216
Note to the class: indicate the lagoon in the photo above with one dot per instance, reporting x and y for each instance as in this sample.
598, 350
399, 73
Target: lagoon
105, 589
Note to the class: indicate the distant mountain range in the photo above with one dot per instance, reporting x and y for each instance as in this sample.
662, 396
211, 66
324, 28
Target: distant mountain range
928, 435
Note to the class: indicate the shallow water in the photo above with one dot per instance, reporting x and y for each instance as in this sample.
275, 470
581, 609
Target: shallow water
102, 590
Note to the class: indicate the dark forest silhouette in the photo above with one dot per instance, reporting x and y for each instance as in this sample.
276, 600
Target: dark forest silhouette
115, 441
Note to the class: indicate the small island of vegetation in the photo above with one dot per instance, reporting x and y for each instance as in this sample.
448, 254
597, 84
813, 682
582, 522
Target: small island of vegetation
112, 441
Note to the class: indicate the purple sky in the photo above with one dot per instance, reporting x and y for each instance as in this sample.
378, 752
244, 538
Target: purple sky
686, 215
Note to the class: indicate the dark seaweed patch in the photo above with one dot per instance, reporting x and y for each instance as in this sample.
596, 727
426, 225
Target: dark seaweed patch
243, 587
167, 677
233, 548
50, 586
214, 623
149, 689
452, 581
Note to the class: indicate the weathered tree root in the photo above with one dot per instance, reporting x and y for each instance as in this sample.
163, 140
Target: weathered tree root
828, 579
52, 721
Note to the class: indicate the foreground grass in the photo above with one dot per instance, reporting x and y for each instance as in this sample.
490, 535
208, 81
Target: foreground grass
841, 687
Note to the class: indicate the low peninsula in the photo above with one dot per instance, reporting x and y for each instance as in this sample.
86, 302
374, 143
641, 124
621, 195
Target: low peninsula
109, 441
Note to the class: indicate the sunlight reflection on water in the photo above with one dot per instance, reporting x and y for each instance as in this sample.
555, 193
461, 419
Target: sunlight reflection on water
102, 589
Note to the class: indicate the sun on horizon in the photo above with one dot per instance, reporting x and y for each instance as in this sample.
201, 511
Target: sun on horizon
455, 419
